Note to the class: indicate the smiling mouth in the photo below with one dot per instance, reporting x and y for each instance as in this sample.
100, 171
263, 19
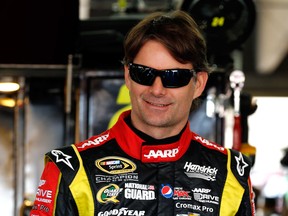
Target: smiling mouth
157, 104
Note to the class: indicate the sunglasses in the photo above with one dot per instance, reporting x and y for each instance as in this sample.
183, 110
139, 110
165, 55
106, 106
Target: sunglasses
171, 78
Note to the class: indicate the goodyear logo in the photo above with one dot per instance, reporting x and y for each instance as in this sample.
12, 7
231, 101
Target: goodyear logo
108, 194
115, 165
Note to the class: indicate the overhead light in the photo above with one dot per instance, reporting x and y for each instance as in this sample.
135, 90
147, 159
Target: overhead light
7, 84
7, 102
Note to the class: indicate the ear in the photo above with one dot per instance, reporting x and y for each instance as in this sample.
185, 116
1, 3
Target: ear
200, 84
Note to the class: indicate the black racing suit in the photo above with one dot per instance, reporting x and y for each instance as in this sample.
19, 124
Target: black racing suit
125, 172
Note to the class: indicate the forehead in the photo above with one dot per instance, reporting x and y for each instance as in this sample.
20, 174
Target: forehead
154, 54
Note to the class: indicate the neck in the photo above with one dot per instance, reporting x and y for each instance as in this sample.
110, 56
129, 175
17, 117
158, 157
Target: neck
158, 132
161, 133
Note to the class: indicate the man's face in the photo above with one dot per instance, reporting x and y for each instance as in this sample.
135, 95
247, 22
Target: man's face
156, 107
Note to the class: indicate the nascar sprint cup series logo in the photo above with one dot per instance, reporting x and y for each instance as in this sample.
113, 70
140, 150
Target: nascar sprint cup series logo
115, 165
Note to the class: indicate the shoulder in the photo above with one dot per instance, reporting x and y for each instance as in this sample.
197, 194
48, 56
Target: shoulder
66, 159
94, 141
63, 156
209, 144
240, 164
237, 162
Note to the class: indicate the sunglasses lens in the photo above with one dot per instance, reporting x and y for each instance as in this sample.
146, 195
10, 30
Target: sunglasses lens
172, 78
141, 75
176, 78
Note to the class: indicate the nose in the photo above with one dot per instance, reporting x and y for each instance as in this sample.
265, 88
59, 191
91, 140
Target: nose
157, 87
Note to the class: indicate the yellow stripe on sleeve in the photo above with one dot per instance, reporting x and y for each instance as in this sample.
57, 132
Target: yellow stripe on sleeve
232, 193
81, 190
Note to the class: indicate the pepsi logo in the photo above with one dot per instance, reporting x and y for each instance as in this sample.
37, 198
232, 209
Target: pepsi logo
166, 191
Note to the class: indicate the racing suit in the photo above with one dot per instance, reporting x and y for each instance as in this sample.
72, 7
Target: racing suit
125, 172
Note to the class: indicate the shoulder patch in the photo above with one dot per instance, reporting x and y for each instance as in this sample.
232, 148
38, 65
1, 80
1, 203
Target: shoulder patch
209, 144
93, 141
66, 160
240, 165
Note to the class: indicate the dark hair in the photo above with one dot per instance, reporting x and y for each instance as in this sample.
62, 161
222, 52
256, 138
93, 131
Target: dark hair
176, 30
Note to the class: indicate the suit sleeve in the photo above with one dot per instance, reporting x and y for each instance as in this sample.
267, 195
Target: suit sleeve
53, 196
240, 166
247, 207
47, 191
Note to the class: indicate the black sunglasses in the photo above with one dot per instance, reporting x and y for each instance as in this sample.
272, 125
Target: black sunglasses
171, 78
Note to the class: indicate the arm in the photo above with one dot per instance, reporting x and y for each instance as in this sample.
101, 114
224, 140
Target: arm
247, 207
53, 196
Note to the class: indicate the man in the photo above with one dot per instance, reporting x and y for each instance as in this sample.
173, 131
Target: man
150, 163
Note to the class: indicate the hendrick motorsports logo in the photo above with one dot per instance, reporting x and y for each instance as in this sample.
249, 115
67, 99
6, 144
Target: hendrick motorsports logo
115, 165
204, 172
109, 193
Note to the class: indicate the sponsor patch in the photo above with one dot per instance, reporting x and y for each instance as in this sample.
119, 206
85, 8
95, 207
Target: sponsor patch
241, 164
122, 211
108, 194
181, 194
203, 172
45, 195
137, 191
166, 191
61, 157
209, 144
159, 153
115, 165
94, 142
117, 178
203, 195
193, 207
42, 208
188, 214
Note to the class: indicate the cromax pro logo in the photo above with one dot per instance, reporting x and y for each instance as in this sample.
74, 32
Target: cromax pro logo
167, 153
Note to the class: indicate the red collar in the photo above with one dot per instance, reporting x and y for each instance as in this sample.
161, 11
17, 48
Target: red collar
133, 145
